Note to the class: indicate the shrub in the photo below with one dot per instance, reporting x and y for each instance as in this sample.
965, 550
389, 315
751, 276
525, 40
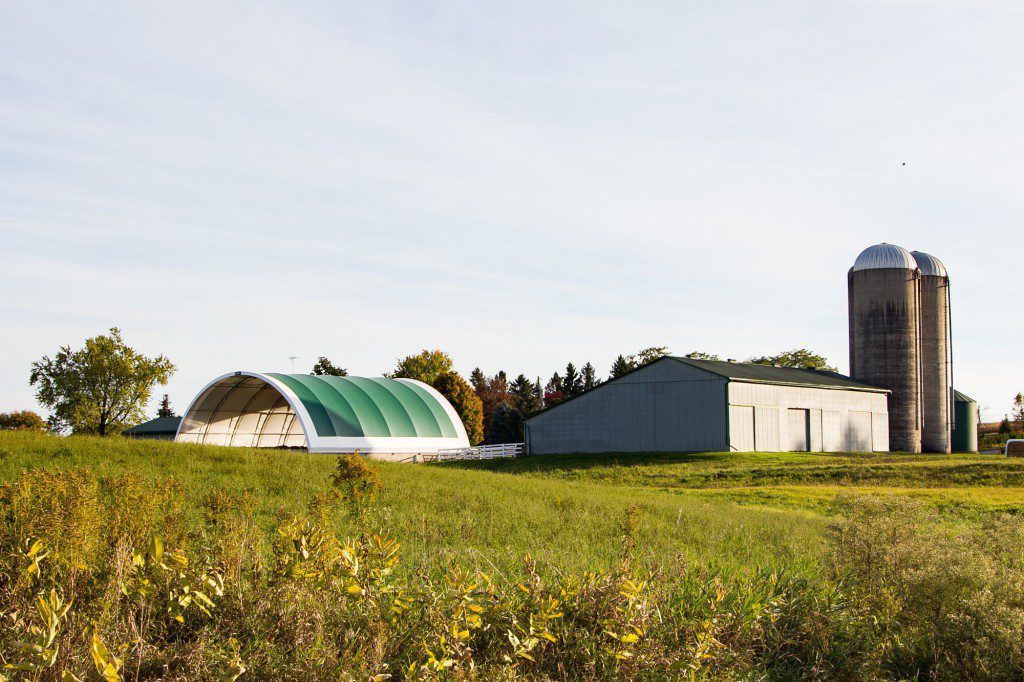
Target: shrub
88, 589
25, 420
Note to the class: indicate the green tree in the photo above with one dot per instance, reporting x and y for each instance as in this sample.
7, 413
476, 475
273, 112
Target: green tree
101, 388
24, 420
466, 403
622, 365
572, 382
325, 367
589, 375
1018, 410
649, 355
478, 380
800, 358
526, 396
700, 355
427, 367
165, 407
625, 364
1004, 426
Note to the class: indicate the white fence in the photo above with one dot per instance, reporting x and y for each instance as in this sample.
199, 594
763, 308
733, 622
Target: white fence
476, 452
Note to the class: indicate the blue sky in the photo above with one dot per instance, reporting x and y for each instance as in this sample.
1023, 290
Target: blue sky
521, 184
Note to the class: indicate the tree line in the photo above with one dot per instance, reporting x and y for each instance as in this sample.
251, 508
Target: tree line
103, 387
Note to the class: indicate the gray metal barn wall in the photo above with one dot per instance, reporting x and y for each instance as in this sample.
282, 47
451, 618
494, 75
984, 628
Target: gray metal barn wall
837, 420
667, 406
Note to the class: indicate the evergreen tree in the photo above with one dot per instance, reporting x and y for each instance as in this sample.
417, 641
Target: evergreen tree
165, 408
572, 382
590, 379
525, 397
478, 380
622, 365
554, 392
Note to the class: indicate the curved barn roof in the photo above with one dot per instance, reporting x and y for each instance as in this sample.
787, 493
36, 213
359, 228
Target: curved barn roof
356, 406
322, 413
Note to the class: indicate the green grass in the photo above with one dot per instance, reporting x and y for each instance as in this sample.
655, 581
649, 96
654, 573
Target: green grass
443, 511
730, 565
735, 509
963, 484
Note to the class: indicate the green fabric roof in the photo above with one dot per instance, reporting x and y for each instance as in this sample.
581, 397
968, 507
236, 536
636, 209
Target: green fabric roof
359, 407
769, 374
158, 425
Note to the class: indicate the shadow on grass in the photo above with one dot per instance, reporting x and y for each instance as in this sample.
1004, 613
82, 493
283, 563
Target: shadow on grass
582, 461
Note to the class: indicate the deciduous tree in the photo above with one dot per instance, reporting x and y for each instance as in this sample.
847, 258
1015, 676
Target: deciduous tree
800, 358
553, 391
425, 367
24, 420
466, 403
101, 388
625, 364
325, 367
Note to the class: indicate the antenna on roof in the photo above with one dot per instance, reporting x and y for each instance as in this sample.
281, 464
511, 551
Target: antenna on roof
293, 358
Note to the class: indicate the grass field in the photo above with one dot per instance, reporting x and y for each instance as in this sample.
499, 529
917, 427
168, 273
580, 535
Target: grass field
482, 514
695, 566
961, 485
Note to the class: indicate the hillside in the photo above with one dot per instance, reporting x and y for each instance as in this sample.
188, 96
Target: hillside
191, 562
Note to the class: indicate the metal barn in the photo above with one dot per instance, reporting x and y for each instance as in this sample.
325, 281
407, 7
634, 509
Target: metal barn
685, 405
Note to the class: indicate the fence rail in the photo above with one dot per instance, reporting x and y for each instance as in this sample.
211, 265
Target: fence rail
475, 452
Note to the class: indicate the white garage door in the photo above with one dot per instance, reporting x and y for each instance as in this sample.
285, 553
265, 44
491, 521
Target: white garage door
741, 428
799, 423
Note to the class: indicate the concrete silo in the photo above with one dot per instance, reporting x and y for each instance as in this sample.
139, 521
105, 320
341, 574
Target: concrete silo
885, 335
936, 398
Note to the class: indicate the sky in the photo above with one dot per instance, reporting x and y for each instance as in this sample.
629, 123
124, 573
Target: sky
520, 184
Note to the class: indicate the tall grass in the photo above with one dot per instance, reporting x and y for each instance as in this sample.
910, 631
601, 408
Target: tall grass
134, 560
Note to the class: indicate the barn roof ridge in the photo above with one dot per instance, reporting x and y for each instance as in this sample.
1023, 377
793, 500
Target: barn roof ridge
750, 372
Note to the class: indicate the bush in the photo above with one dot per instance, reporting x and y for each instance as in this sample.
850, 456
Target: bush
25, 420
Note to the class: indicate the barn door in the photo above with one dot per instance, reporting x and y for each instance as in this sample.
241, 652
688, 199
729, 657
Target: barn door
799, 430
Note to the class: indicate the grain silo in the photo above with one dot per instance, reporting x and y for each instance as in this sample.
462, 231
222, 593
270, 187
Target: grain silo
885, 335
936, 399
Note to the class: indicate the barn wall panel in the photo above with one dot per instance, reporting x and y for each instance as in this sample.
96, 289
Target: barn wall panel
665, 407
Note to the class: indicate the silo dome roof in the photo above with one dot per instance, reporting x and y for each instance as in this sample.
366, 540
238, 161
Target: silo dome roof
881, 256
929, 264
